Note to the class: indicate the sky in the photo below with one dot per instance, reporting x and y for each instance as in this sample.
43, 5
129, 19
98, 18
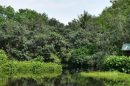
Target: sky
62, 10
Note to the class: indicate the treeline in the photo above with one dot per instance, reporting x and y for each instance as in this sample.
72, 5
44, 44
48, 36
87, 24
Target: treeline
83, 43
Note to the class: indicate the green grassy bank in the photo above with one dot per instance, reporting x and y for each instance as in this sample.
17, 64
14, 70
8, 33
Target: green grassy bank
104, 79
13, 67
35, 67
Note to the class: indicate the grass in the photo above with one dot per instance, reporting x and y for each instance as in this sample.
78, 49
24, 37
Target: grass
108, 78
28, 69
39, 78
115, 76
33, 67
35, 70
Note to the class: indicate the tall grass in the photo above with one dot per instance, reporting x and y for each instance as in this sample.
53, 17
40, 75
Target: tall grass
107, 78
39, 78
34, 67
30, 67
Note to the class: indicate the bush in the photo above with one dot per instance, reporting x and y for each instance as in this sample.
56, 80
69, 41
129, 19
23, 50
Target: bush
33, 67
3, 57
9, 67
14, 67
120, 63
80, 57
79, 61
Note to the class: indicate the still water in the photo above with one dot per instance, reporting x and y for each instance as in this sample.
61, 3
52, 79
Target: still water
55, 81
65, 79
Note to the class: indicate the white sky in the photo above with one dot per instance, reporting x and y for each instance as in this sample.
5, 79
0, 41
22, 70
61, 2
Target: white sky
62, 10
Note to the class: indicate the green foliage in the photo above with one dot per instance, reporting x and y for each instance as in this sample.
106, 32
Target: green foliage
31, 67
39, 58
3, 57
80, 57
107, 78
7, 78
28, 35
120, 63
36, 68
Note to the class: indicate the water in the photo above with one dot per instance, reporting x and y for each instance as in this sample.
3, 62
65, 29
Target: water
65, 79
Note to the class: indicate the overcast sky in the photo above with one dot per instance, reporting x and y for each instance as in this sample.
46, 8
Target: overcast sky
62, 10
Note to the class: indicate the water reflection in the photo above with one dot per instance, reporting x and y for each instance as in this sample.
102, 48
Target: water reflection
27, 79
22, 82
59, 80
65, 79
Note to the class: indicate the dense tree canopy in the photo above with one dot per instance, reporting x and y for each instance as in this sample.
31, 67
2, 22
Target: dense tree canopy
28, 35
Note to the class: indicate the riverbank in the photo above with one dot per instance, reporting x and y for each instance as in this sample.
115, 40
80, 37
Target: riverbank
105, 78
33, 67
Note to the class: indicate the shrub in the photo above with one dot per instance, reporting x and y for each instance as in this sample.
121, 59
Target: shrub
120, 63
39, 58
36, 66
14, 67
80, 57
3, 57
79, 61
9, 67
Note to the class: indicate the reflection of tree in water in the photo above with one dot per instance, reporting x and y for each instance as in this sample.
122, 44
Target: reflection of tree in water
22, 82
61, 80
27, 80
93, 82
31, 82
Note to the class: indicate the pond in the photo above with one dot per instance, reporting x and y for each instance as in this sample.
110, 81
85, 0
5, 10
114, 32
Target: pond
65, 79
